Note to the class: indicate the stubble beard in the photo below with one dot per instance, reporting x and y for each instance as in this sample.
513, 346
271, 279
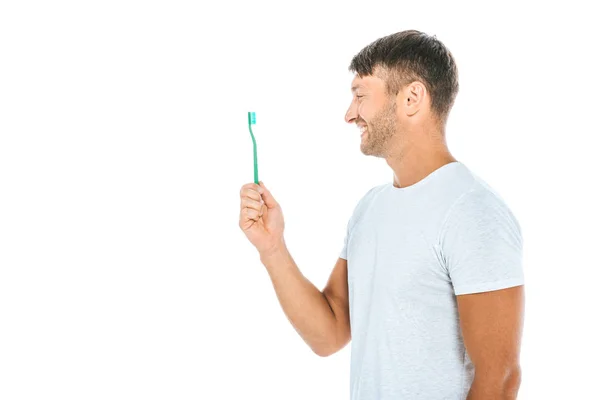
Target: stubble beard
380, 131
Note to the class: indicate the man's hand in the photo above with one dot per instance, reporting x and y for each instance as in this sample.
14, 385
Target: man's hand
261, 218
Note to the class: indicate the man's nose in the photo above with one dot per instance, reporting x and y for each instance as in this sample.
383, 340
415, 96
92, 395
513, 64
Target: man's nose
350, 116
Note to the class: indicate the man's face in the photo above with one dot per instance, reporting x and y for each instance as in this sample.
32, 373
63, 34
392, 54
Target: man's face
374, 112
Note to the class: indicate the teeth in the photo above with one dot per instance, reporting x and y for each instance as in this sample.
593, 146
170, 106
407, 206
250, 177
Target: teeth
363, 129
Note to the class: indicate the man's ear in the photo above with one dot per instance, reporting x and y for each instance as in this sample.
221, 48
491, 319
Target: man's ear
413, 97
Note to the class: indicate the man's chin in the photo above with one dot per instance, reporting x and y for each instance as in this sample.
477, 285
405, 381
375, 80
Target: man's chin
368, 150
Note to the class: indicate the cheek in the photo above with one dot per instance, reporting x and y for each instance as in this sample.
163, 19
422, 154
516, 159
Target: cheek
363, 112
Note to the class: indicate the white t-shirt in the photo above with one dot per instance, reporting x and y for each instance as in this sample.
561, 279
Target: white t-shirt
410, 251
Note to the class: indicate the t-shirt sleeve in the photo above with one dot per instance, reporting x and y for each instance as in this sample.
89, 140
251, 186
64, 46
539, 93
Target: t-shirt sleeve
481, 244
358, 209
344, 252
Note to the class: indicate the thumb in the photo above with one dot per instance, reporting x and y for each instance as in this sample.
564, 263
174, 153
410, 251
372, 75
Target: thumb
270, 201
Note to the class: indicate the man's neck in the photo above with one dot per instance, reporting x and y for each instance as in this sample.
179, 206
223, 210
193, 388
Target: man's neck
413, 166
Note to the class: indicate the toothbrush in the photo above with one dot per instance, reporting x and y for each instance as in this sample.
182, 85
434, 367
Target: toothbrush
252, 121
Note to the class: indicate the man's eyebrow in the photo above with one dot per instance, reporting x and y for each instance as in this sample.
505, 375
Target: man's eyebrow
355, 87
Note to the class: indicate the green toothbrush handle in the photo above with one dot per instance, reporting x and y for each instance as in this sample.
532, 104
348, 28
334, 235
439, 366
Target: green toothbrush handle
255, 164
252, 121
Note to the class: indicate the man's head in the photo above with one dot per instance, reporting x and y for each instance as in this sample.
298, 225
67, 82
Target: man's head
403, 90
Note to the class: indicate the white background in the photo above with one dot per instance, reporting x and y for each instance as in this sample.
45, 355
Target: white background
124, 144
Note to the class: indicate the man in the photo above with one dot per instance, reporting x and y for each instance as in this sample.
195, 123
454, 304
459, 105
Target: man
429, 283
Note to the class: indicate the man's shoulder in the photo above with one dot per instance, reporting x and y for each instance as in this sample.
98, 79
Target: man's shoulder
478, 205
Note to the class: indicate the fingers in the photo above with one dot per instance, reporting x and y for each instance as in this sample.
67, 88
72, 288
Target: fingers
251, 203
270, 201
252, 191
251, 213
254, 196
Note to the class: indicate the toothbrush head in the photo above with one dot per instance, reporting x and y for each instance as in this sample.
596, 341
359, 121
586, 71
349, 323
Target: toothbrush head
251, 118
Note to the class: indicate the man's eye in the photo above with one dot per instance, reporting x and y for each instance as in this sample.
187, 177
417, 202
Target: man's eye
360, 96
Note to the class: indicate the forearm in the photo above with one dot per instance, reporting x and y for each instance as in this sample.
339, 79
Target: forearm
495, 386
305, 306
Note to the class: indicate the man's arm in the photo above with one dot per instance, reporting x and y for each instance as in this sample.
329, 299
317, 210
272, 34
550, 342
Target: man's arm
492, 325
320, 318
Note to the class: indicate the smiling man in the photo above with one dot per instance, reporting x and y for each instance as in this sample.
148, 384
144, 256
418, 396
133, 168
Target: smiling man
429, 282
